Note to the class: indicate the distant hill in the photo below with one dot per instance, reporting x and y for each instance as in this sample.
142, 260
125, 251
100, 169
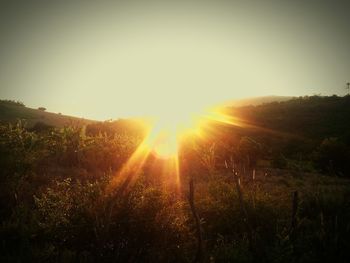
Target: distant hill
309, 117
255, 101
11, 111
313, 117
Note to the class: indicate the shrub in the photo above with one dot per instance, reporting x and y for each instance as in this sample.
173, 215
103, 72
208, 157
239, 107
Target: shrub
13, 102
333, 157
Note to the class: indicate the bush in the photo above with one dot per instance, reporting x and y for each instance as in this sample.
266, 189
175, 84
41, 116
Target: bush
333, 157
41, 127
13, 102
250, 150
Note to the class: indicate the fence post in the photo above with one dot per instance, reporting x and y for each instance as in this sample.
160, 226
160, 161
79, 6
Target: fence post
200, 246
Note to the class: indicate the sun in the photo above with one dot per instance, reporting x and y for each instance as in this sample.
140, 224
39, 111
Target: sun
165, 134
167, 129
164, 144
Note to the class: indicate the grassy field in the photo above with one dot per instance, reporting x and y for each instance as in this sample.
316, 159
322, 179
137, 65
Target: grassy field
93, 193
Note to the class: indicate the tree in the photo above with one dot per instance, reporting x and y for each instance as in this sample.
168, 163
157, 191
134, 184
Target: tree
332, 156
13, 102
42, 108
249, 150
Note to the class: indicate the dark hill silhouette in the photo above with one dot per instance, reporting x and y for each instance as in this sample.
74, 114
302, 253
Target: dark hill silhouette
313, 117
309, 117
255, 101
11, 111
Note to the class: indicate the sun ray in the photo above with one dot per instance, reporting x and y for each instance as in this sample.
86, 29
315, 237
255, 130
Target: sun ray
127, 175
164, 137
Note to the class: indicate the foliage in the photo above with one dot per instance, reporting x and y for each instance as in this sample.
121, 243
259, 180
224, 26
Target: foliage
250, 150
333, 156
64, 197
13, 102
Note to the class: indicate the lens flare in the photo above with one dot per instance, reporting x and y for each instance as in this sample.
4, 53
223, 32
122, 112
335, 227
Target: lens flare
169, 129
164, 137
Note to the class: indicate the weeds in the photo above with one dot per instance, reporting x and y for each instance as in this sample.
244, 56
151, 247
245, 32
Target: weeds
55, 207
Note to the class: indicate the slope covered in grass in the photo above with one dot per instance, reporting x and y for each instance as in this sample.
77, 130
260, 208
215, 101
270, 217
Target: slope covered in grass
12, 112
312, 117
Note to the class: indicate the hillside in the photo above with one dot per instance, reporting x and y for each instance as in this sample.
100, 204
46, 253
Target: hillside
313, 117
12, 112
246, 194
255, 101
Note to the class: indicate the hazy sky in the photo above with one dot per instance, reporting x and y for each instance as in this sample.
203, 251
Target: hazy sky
130, 58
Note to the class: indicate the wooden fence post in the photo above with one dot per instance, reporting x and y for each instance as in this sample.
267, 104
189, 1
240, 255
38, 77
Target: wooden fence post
200, 246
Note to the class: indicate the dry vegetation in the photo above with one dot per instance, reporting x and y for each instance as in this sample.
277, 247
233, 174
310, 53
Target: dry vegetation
62, 200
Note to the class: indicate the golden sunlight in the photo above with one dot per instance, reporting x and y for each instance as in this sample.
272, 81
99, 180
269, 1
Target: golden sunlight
168, 129
163, 138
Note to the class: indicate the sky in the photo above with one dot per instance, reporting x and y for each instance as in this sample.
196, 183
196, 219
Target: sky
103, 60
